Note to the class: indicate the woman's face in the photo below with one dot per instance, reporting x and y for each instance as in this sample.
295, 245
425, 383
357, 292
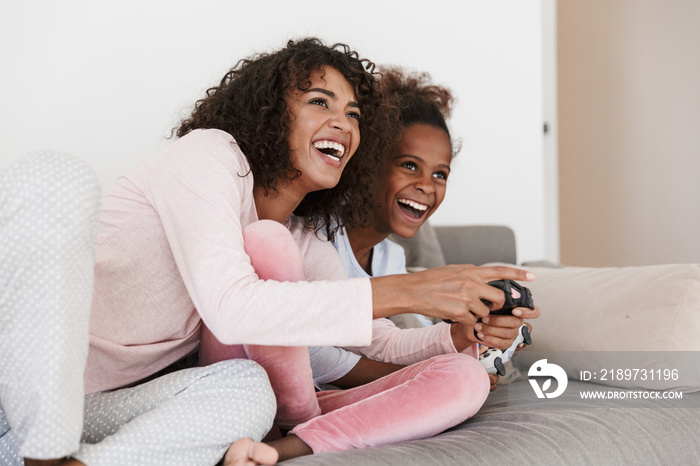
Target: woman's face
324, 129
414, 180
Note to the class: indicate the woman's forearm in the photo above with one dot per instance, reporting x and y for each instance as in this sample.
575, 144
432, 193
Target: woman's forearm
454, 292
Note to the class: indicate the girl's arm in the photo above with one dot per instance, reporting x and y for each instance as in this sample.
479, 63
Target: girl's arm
366, 371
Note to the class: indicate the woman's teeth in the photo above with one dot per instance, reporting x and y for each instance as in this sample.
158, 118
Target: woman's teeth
331, 149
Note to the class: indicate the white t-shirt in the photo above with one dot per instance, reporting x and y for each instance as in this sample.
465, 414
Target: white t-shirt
387, 258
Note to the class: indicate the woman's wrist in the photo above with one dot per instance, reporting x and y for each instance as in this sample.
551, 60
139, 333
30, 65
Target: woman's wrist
391, 295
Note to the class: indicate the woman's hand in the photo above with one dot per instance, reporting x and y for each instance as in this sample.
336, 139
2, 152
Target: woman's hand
453, 292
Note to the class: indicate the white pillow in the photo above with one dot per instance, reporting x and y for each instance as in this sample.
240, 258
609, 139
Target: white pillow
590, 316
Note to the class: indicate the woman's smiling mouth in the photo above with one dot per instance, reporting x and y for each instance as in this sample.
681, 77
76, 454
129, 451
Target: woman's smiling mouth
331, 149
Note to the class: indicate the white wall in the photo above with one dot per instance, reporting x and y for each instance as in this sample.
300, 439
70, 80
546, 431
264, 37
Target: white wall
106, 81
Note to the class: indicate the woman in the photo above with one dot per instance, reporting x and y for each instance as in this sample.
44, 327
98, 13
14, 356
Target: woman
279, 128
451, 386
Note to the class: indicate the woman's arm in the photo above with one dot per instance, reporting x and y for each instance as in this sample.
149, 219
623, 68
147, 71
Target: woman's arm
454, 292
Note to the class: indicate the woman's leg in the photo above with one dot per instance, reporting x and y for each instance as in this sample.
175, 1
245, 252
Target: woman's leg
187, 417
418, 401
275, 256
48, 218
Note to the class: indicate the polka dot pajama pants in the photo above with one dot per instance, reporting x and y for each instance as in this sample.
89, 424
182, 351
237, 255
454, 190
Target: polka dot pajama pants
48, 216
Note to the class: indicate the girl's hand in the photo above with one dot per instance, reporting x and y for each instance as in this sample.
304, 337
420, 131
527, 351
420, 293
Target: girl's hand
497, 331
493, 331
501, 331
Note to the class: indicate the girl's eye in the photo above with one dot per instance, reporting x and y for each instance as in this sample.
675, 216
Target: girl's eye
319, 101
410, 165
354, 115
442, 175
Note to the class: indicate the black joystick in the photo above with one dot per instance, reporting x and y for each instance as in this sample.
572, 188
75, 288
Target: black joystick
522, 298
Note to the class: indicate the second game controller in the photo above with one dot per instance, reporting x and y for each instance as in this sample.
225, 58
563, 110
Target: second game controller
493, 359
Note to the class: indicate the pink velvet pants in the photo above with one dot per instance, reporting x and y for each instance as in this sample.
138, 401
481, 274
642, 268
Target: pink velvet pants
415, 402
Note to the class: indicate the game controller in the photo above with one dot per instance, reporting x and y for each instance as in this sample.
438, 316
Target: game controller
516, 295
494, 360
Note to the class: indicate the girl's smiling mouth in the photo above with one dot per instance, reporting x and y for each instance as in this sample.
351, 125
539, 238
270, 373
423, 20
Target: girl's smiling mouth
412, 208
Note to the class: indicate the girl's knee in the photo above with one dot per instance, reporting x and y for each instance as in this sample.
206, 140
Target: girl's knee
267, 232
468, 376
273, 251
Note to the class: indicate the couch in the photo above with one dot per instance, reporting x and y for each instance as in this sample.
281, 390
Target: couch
594, 321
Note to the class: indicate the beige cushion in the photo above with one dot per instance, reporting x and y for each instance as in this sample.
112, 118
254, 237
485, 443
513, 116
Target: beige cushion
646, 312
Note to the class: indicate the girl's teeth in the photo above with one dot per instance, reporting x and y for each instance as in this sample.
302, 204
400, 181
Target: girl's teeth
413, 204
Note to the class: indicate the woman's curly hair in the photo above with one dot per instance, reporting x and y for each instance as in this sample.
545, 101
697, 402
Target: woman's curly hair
250, 103
417, 99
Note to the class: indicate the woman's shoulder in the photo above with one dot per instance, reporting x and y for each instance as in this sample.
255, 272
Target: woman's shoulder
198, 150
208, 136
210, 140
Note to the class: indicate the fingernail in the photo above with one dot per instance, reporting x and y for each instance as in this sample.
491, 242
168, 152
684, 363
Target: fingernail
530, 276
485, 319
477, 327
517, 312
481, 336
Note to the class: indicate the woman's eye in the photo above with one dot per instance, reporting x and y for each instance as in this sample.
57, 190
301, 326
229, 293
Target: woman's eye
409, 165
319, 101
441, 175
354, 115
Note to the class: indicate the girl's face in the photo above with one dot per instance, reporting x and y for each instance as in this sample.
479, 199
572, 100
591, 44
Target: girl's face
414, 180
324, 129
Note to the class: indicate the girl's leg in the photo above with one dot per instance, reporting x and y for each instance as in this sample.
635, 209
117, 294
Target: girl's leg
275, 256
48, 218
187, 417
418, 401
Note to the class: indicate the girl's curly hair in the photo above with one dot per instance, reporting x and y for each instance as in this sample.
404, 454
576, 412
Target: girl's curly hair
417, 99
250, 103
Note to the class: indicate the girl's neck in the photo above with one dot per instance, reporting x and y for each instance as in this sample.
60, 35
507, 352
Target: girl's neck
363, 241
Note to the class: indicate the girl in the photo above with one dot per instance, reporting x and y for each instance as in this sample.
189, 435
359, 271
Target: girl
412, 186
451, 386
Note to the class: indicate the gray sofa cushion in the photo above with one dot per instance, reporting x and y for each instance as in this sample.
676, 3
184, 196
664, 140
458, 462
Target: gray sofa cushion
512, 429
459, 244
423, 250
434, 246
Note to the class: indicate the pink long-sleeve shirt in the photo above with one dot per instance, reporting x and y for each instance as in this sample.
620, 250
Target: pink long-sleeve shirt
169, 254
